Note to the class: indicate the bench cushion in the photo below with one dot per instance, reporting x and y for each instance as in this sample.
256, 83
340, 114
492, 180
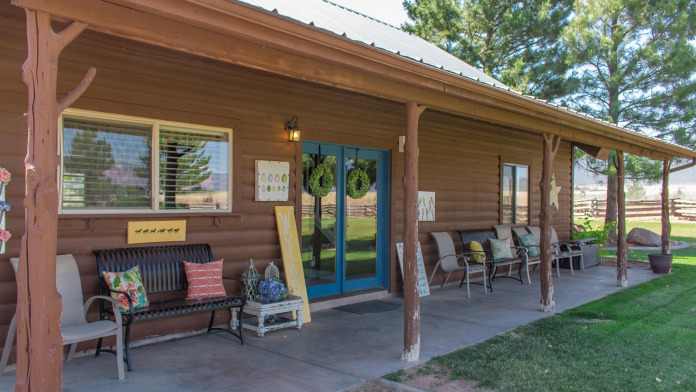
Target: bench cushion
204, 280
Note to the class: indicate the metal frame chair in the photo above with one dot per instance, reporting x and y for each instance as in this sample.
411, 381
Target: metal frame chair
74, 325
562, 250
534, 261
449, 260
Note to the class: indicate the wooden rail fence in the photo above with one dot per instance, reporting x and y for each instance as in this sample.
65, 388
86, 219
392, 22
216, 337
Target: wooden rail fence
330, 210
681, 209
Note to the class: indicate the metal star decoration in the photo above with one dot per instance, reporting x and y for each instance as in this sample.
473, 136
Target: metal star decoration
554, 192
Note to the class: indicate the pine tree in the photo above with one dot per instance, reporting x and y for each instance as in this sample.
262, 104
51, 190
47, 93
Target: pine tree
89, 158
184, 166
634, 62
516, 42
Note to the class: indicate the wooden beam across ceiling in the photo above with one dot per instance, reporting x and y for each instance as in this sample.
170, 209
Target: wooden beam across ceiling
230, 32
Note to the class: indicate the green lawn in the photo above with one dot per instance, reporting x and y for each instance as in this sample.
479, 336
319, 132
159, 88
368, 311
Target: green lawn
361, 251
680, 232
640, 339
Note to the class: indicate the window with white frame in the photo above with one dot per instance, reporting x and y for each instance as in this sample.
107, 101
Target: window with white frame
113, 163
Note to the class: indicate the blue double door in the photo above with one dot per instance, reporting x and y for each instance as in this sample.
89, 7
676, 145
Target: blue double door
345, 229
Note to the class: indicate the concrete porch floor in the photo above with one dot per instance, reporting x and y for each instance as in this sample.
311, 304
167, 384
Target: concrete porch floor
338, 349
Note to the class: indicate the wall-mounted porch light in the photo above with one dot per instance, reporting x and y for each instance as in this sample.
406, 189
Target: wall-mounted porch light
293, 129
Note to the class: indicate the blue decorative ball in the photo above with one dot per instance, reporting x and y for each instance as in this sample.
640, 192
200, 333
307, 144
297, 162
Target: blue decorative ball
272, 290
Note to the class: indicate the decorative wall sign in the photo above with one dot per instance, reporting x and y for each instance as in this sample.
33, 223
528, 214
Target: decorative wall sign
422, 279
5, 235
145, 232
292, 259
272, 180
426, 206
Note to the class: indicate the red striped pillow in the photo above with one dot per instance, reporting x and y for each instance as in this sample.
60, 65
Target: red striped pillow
204, 280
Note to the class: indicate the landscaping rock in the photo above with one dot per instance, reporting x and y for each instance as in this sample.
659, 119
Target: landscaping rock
643, 237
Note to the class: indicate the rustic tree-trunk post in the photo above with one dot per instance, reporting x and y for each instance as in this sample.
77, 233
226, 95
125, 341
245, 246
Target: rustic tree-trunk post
411, 350
39, 307
621, 247
551, 145
666, 225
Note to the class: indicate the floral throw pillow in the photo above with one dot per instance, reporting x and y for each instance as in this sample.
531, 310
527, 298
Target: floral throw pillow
130, 282
530, 242
500, 249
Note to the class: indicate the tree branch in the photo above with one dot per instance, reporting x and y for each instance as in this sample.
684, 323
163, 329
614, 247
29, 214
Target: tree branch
73, 95
68, 34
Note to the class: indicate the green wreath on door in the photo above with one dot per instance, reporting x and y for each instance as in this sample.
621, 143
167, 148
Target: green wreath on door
358, 183
321, 180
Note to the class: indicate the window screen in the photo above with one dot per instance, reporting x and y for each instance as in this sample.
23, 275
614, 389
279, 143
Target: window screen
108, 165
193, 170
105, 166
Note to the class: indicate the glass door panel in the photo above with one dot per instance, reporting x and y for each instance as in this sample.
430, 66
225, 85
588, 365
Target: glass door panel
361, 223
344, 234
522, 195
320, 224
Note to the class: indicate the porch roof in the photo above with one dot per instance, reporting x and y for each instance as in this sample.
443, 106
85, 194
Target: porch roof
332, 18
307, 43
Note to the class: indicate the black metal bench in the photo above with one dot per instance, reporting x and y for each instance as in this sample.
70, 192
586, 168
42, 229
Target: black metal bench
482, 236
163, 274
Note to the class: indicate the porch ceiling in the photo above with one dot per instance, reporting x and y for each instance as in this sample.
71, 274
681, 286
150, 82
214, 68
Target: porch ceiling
248, 36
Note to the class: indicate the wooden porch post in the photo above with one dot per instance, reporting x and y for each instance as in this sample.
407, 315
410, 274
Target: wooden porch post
551, 145
39, 342
621, 248
411, 351
666, 226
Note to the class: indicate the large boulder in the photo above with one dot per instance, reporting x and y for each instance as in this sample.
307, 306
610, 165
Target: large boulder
643, 237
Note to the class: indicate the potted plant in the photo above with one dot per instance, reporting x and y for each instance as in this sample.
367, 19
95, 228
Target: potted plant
661, 263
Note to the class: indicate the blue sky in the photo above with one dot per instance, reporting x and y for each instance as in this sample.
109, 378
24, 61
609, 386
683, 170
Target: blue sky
390, 11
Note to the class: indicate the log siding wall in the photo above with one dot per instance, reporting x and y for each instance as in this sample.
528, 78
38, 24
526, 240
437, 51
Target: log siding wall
459, 158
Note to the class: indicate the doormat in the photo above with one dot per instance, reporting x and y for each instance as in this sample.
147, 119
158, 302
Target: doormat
369, 307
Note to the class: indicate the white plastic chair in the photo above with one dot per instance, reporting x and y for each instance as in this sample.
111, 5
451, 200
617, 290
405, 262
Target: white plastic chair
74, 325
449, 262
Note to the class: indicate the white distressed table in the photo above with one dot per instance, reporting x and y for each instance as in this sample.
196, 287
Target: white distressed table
261, 311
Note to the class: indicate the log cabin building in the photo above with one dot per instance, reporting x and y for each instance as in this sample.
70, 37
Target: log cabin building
221, 83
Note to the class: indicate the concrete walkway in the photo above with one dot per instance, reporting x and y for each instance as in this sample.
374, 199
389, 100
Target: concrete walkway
339, 349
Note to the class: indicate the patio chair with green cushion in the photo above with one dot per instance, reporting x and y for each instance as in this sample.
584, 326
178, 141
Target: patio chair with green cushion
74, 326
494, 261
507, 231
521, 236
449, 260
562, 250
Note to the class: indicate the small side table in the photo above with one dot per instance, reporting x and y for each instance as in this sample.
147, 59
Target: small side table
261, 311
